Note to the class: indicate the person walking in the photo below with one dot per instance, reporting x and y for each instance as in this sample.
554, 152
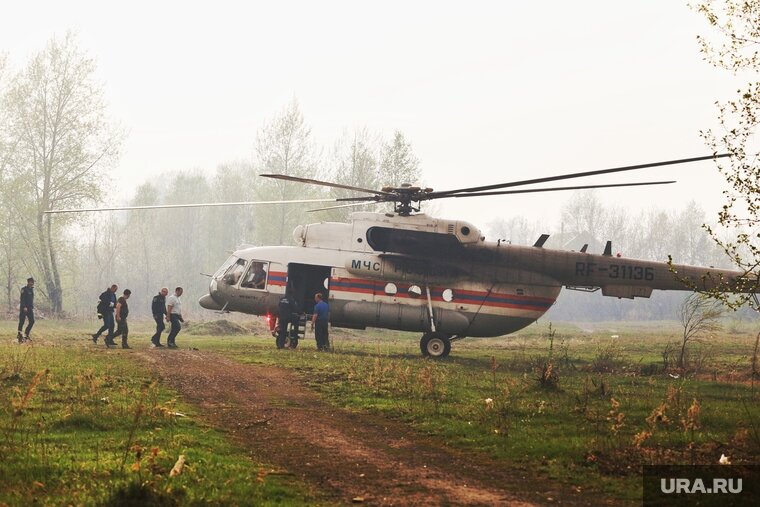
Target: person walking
158, 308
26, 310
122, 310
319, 322
174, 315
105, 309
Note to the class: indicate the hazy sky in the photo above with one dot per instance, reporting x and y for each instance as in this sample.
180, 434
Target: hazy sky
485, 91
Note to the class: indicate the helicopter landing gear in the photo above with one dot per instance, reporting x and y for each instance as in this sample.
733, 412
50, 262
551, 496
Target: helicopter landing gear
435, 345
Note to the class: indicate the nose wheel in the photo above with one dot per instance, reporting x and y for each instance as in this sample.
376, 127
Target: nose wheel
435, 345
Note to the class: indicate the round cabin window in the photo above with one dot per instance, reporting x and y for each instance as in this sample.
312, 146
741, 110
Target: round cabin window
414, 291
391, 289
448, 295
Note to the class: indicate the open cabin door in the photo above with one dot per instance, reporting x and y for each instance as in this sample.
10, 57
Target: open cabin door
304, 281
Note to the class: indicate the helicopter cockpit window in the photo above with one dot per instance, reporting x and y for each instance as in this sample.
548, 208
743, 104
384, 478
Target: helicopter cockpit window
233, 274
391, 289
414, 291
256, 277
224, 267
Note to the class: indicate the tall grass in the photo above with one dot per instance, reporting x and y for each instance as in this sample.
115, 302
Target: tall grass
84, 426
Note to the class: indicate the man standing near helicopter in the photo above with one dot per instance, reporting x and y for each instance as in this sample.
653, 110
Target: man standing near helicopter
319, 322
285, 309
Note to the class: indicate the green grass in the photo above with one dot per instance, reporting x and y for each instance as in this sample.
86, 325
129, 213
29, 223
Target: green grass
582, 432
86, 426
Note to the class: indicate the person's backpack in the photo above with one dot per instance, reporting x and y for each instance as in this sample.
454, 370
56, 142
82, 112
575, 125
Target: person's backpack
100, 308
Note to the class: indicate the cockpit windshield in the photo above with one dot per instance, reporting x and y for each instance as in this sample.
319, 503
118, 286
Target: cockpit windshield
234, 272
229, 262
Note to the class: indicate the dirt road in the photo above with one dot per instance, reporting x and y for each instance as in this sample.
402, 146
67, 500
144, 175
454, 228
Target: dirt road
350, 457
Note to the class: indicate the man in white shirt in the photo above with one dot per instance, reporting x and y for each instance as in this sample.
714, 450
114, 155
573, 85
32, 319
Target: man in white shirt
174, 315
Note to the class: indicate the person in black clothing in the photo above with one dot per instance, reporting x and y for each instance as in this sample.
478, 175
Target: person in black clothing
158, 308
122, 311
26, 309
285, 310
105, 309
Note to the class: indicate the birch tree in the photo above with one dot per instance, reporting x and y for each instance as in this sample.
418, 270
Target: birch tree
733, 45
283, 146
63, 146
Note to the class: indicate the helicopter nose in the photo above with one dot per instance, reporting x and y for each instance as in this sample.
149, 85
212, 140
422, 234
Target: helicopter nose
208, 303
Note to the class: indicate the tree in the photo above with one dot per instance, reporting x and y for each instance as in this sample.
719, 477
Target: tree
734, 46
354, 160
398, 163
698, 315
283, 146
63, 145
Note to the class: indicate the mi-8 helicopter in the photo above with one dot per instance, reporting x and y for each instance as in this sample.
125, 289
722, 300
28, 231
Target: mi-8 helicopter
412, 272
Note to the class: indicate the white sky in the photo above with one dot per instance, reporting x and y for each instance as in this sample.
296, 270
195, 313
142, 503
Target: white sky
486, 91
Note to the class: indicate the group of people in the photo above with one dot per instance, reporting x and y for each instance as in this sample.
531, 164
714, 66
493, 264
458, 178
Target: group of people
287, 314
115, 310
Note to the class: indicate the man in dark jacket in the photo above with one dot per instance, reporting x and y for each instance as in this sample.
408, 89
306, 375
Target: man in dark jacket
122, 311
26, 309
106, 307
158, 309
285, 309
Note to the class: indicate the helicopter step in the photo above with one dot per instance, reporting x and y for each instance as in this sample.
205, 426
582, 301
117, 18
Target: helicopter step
297, 331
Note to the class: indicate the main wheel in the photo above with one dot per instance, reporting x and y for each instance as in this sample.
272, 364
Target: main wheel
435, 345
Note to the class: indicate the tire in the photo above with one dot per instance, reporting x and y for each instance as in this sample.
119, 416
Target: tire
435, 345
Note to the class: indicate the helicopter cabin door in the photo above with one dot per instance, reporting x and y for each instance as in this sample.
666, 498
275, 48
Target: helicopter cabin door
304, 281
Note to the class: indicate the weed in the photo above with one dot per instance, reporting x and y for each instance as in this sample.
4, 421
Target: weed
607, 357
548, 376
15, 363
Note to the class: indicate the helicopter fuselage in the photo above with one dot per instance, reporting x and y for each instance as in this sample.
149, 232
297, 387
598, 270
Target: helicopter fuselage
423, 274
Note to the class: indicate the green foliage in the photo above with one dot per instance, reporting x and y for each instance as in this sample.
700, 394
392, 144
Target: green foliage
57, 145
733, 46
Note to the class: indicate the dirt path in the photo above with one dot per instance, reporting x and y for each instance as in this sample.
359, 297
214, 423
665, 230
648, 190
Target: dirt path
348, 456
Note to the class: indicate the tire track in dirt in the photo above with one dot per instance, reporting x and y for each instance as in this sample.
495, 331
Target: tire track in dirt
345, 454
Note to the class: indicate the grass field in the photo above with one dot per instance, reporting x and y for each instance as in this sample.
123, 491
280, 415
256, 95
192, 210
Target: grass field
589, 408
584, 405
84, 426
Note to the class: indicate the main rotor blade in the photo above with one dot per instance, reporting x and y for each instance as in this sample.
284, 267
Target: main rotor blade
554, 189
448, 193
342, 206
191, 205
324, 183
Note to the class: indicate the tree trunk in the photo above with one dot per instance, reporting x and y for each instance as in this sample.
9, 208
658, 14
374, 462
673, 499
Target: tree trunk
56, 294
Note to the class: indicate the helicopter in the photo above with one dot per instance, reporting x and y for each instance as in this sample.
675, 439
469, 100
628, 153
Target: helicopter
409, 271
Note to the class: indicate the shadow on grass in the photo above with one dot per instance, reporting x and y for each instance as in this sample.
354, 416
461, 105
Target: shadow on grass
139, 495
79, 423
